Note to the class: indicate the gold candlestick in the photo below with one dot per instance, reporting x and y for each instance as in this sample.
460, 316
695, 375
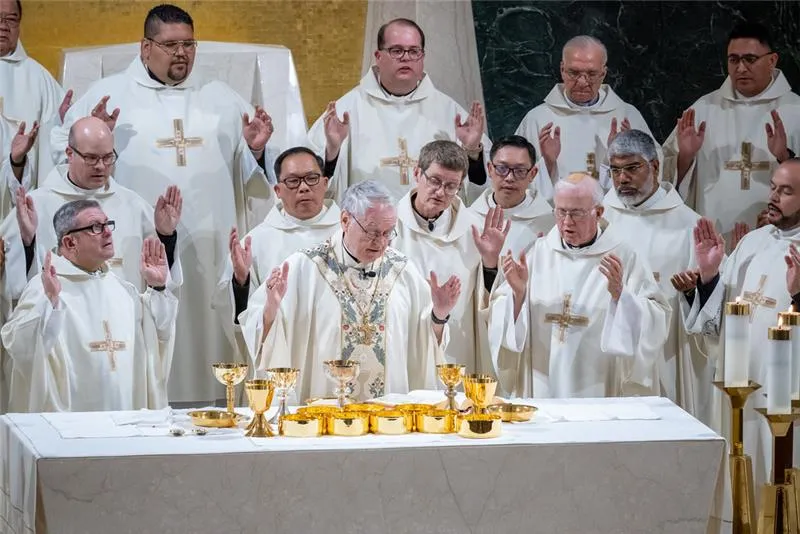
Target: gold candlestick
778, 511
741, 465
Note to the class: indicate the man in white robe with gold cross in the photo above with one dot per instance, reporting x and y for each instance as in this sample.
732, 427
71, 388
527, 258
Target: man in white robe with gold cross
353, 298
725, 147
171, 128
580, 315
82, 339
376, 130
573, 126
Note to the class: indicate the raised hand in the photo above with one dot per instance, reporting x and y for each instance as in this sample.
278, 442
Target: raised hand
709, 249
277, 283
690, 140
168, 211
793, 270
490, 242
626, 125
776, 137
611, 268
50, 282
470, 131
762, 219
241, 257
258, 131
685, 281
444, 296
740, 229
516, 273
27, 219
550, 144
65, 105
154, 262
336, 131
22, 143
101, 112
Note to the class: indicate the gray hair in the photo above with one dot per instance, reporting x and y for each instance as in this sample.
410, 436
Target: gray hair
66, 218
358, 198
447, 154
633, 143
583, 42
581, 180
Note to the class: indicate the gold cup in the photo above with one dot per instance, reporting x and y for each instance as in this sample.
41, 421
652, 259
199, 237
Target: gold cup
391, 422
480, 389
348, 424
451, 375
436, 421
364, 407
480, 426
323, 412
342, 372
259, 393
301, 426
413, 410
284, 379
229, 375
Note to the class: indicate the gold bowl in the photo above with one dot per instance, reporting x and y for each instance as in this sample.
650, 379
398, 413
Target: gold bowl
436, 421
414, 409
323, 412
302, 426
348, 424
215, 418
480, 426
391, 422
513, 413
364, 407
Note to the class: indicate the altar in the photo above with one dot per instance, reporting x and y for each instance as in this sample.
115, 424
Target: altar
581, 466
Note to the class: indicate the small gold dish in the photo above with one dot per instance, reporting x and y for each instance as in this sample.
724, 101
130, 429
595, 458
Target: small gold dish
414, 409
302, 426
480, 426
348, 424
513, 413
392, 422
323, 412
364, 407
436, 421
215, 418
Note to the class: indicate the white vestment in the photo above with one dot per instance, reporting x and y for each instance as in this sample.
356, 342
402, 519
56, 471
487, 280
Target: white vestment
28, 93
220, 182
584, 133
713, 184
103, 347
384, 128
661, 230
528, 219
571, 339
320, 317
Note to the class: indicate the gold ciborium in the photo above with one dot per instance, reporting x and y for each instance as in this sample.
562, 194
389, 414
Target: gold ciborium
480, 389
229, 375
259, 393
451, 375
284, 379
342, 372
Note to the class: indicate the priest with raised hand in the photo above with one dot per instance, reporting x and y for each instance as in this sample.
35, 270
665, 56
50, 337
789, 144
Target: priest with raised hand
578, 118
512, 170
177, 129
354, 298
376, 130
580, 315
82, 339
652, 219
726, 146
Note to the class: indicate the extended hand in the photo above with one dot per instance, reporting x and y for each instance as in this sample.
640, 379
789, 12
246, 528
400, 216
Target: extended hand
685, 281
241, 257
22, 142
516, 274
154, 262
50, 282
470, 131
27, 219
277, 283
740, 229
101, 113
490, 242
336, 130
690, 140
168, 211
776, 137
550, 144
611, 268
258, 131
626, 125
444, 296
793, 270
65, 105
709, 249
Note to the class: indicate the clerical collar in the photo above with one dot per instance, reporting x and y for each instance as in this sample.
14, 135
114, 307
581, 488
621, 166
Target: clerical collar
423, 221
585, 245
305, 222
578, 105
393, 95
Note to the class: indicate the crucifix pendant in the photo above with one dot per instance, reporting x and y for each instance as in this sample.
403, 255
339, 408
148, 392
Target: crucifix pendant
366, 331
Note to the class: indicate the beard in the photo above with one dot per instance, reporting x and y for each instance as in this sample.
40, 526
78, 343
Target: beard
631, 200
178, 72
785, 221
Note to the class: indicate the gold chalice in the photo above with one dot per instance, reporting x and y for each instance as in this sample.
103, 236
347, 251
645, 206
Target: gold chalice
451, 375
230, 375
284, 379
342, 372
259, 393
480, 389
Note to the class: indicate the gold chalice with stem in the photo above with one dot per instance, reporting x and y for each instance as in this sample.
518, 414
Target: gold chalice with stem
342, 372
284, 379
230, 375
451, 375
480, 388
259, 394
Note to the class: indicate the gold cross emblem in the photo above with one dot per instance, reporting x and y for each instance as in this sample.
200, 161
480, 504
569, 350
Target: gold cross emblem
746, 165
565, 319
366, 331
179, 142
108, 345
757, 298
402, 161
591, 165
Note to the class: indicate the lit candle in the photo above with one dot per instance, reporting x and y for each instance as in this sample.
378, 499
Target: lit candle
791, 319
737, 343
779, 363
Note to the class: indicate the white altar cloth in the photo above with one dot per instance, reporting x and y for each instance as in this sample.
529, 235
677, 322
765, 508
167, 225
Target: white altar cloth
605, 476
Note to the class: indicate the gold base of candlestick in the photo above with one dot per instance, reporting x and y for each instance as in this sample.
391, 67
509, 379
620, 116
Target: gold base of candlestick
779, 507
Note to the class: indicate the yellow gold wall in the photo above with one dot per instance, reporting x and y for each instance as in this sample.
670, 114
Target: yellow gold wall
325, 36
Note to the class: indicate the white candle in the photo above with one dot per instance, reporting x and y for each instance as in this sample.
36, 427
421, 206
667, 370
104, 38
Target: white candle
791, 319
737, 343
779, 363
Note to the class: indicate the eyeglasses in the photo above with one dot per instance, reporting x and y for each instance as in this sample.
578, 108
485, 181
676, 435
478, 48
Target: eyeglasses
93, 159
450, 188
519, 173
374, 236
630, 170
577, 215
747, 59
172, 47
397, 52
591, 76
293, 182
95, 228
11, 22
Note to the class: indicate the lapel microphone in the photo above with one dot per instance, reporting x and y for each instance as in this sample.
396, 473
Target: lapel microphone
368, 274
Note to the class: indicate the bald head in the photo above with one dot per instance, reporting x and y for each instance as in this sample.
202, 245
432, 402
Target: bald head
783, 209
582, 185
586, 44
88, 128
90, 153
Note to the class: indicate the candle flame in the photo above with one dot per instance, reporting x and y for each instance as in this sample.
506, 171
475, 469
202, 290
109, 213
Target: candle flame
739, 300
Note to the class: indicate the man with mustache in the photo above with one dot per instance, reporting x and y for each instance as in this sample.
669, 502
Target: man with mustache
173, 128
